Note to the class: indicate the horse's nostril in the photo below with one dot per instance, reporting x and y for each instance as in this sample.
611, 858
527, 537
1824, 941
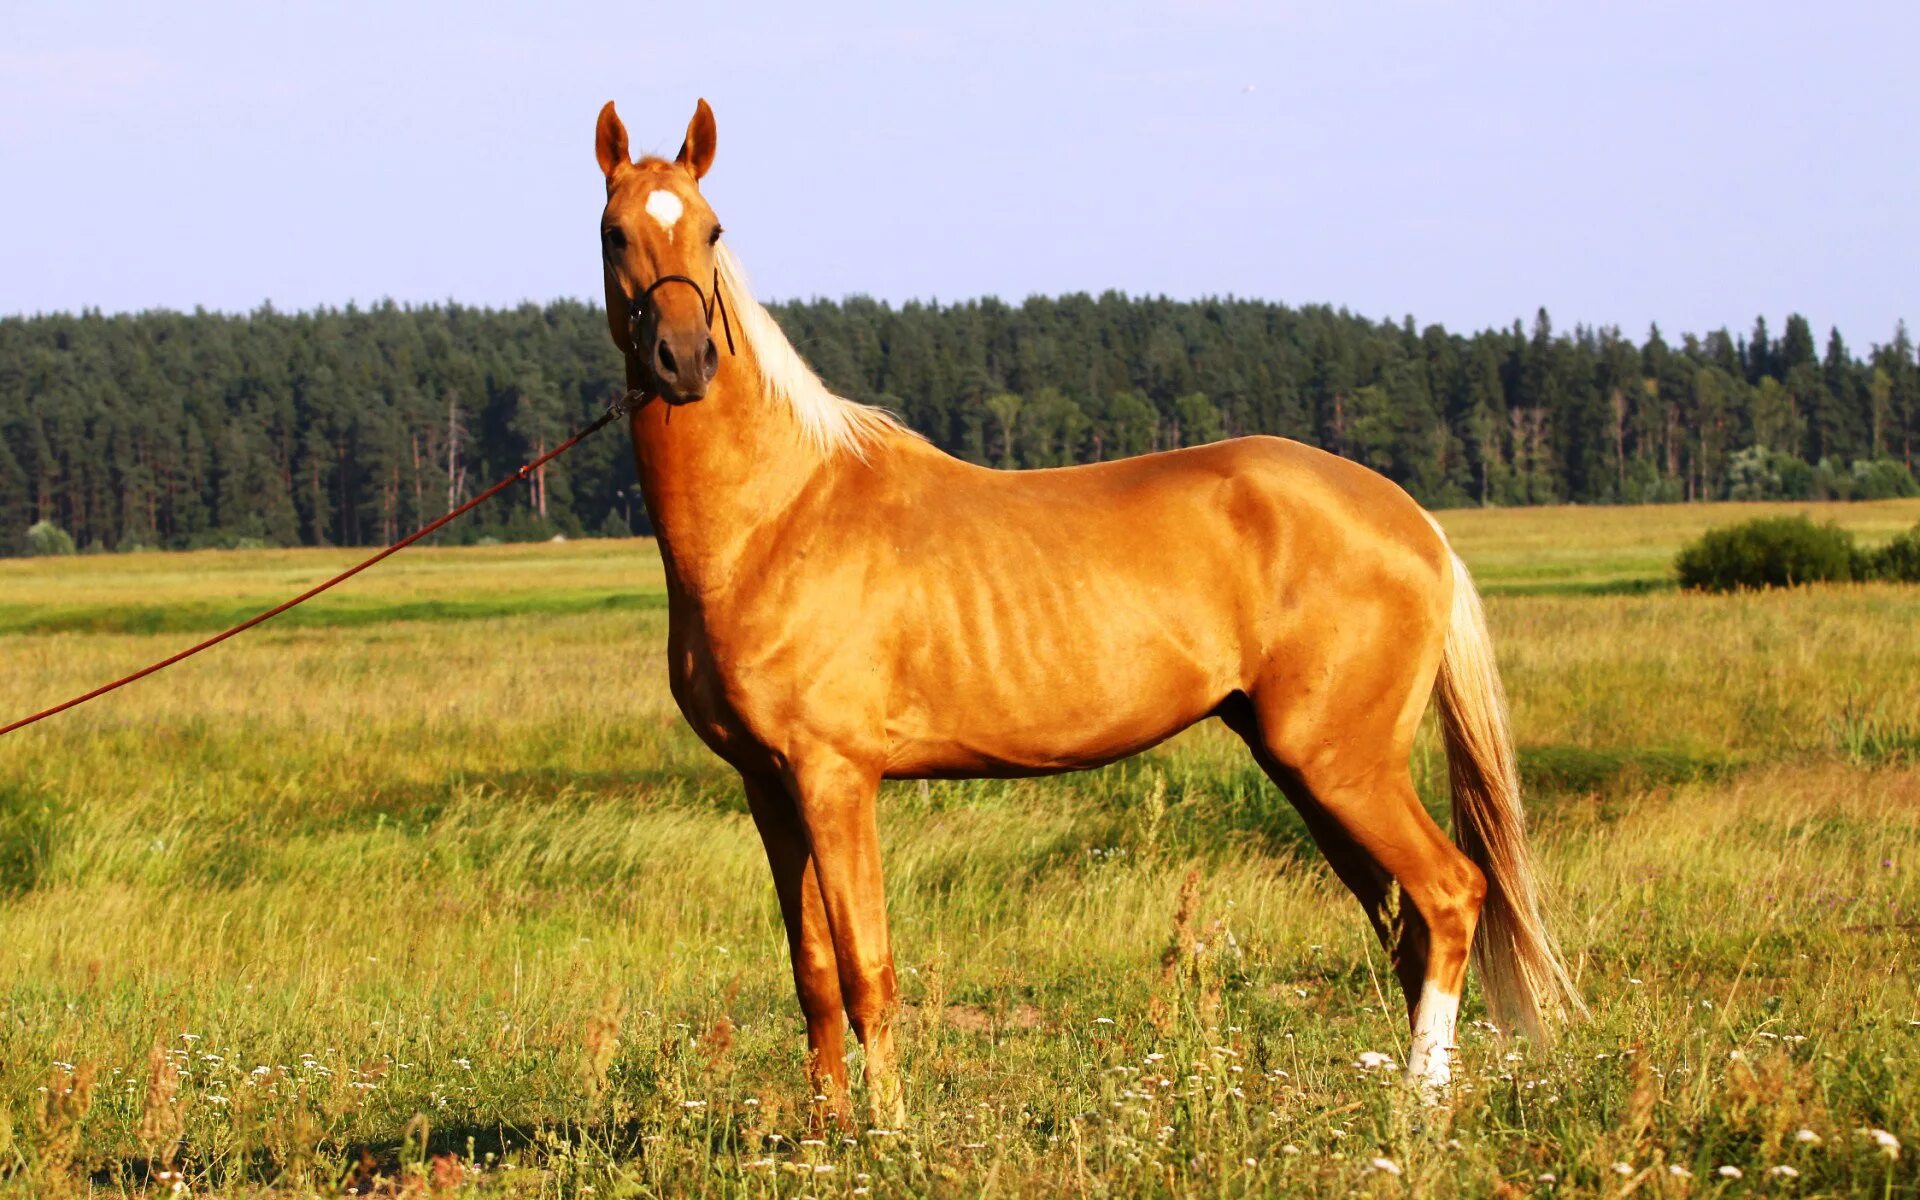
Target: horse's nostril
665, 356
711, 360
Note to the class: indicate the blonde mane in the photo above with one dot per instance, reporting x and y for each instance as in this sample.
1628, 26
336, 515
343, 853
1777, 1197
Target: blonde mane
829, 423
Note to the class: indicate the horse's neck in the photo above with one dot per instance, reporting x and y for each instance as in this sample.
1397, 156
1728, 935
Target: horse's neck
717, 472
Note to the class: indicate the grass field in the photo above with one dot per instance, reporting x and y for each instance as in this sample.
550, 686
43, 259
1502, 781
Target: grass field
427, 890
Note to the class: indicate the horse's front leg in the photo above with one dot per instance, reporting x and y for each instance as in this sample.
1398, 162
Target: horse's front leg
816, 976
836, 798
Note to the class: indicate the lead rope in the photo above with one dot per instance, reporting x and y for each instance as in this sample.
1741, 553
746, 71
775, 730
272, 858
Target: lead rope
618, 409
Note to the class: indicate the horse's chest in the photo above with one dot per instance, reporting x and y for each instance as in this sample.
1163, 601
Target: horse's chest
719, 700
701, 693
750, 692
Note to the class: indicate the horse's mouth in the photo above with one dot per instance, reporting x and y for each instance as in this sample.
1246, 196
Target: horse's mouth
676, 399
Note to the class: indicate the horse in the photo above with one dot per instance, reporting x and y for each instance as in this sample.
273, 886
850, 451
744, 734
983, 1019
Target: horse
848, 604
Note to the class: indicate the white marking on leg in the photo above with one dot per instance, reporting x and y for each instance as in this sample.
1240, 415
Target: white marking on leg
665, 207
1431, 1060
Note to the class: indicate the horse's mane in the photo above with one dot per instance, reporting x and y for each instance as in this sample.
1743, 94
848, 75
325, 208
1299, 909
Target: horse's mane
830, 423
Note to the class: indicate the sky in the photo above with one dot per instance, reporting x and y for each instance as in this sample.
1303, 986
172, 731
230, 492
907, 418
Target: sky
1691, 164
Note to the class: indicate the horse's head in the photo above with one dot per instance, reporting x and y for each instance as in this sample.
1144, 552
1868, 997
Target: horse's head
658, 239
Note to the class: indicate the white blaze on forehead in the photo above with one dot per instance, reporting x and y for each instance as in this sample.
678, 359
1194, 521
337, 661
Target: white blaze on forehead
665, 207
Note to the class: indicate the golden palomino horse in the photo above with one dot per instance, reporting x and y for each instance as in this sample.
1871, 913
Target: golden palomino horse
848, 604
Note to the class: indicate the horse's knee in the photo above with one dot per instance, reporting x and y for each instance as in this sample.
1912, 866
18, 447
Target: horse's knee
816, 977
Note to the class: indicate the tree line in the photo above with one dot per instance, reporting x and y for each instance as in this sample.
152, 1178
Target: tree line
351, 426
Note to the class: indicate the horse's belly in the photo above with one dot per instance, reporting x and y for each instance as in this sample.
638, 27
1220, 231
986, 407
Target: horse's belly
1077, 718
980, 757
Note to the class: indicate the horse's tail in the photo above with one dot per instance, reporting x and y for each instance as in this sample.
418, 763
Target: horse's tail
1520, 969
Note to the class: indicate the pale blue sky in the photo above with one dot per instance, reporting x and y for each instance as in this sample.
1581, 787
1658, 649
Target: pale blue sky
1620, 163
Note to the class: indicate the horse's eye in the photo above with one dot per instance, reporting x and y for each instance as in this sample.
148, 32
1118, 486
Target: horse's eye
615, 239
713, 239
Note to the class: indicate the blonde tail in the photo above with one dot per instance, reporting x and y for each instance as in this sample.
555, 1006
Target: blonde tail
1520, 969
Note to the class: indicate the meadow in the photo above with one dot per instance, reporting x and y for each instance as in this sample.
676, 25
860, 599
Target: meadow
426, 890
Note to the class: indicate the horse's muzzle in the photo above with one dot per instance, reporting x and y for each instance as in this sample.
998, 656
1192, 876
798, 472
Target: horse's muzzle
683, 363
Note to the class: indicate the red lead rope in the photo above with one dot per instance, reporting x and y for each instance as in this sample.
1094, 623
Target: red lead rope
618, 410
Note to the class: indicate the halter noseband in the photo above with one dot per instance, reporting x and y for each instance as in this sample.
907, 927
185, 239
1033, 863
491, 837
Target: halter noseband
641, 308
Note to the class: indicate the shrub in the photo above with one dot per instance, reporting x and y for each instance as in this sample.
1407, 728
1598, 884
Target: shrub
1757, 473
615, 526
1898, 560
1831, 481
1883, 479
1768, 552
45, 538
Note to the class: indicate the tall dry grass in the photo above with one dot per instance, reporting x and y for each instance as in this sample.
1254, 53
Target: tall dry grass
458, 904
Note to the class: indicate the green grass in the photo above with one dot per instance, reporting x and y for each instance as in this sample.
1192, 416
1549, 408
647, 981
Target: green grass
387, 899
1627, 550
211, 618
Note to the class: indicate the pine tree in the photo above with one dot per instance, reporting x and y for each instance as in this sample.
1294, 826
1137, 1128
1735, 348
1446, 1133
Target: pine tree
1759, 353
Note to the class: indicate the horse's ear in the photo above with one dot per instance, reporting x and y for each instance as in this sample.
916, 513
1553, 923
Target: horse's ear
610, 141
696, 153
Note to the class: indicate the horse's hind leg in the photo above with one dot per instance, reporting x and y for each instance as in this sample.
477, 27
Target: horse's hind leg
1421, 894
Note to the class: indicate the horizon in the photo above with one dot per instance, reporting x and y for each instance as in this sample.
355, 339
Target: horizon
1739, 334
1464, 168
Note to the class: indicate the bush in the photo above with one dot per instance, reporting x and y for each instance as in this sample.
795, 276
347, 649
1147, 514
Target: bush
44, 538
615, 526
1883, 479
1769, 552
1898, 560
1757, 473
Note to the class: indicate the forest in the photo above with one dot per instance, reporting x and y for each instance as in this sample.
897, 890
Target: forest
352, 426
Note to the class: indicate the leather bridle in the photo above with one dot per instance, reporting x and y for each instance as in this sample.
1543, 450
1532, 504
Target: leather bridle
640, 312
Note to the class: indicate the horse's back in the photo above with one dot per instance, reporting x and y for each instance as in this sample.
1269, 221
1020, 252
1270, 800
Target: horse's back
1295, 506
